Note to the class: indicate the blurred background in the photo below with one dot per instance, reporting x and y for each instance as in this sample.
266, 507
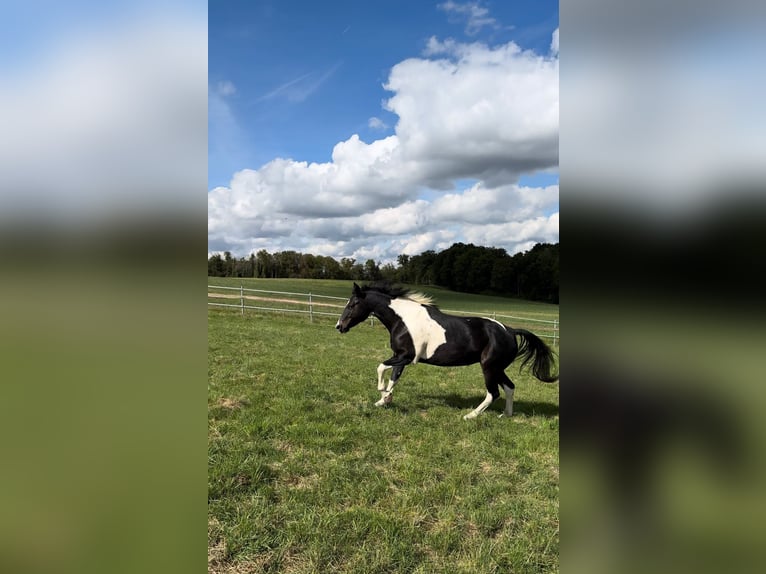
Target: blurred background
661, 152
103, 175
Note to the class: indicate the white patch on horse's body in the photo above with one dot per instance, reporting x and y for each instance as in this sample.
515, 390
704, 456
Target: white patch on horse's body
427, 335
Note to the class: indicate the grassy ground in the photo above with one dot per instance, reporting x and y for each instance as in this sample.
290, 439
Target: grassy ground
306, 475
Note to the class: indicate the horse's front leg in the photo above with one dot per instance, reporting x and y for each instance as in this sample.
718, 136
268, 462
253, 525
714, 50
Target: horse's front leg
382, 368
387, 392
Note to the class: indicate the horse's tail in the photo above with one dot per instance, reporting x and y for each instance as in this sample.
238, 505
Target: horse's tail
532, 348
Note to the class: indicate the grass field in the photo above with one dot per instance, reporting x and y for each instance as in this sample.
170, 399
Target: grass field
306, 475
535, 316
444, 298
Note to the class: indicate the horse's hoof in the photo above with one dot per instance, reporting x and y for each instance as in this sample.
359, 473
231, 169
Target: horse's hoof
470, 416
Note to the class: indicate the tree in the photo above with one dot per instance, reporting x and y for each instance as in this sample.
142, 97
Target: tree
347, 267
371, 271
422, 266
215, 266
388, 272
405, 272
533, 274
503, 276
263, 263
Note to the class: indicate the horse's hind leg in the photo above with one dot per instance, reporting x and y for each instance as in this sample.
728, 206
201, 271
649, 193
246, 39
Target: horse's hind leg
508, 388
491, 380
387, 395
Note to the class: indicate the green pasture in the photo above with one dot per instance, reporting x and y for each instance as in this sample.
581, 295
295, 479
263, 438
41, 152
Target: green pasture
481, 305
444, 298
305, 475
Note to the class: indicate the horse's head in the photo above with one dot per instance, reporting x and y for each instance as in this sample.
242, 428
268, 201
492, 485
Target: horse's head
357, 310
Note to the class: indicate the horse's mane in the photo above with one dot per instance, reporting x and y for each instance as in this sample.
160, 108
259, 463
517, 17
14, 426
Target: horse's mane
398, 292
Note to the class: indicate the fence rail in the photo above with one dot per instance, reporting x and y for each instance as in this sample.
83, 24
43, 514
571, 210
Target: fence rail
309, 302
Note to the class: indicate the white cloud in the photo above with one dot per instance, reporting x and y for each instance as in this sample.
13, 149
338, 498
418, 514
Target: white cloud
431, 240
475, 15
514, 234
555, 43
488, 113
465, 112
376, 124
361, 177
483, 205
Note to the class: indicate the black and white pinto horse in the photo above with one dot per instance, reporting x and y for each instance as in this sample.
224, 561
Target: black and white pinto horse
420, 332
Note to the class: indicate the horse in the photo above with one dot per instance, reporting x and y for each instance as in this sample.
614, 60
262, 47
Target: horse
421, 333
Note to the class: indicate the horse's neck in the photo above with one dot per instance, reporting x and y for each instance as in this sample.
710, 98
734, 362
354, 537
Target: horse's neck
383, 311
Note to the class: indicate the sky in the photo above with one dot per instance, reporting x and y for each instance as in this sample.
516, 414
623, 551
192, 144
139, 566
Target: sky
372, 129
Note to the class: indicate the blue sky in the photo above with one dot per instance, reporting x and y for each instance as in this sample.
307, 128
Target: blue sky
292, 82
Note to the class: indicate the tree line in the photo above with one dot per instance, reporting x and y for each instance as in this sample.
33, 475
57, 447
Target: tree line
468, 268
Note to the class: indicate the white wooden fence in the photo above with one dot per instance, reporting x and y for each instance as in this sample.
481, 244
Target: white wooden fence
314, 305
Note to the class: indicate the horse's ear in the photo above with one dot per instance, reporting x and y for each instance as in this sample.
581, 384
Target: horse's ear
358, 291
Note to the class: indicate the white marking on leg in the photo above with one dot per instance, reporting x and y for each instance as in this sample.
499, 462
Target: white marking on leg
382, 368
385, 398
391, 385
508, 401
427, 335
480, 409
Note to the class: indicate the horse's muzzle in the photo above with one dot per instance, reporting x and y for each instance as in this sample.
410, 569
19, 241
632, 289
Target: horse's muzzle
340, 327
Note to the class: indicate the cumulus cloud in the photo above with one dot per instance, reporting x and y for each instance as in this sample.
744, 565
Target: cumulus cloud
465, 112
482, 205
524, 233
477, 111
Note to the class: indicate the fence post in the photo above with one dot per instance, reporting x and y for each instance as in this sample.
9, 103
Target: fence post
242, 299
555, 330
311, 309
